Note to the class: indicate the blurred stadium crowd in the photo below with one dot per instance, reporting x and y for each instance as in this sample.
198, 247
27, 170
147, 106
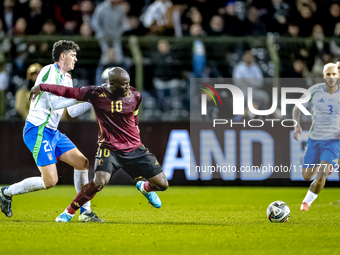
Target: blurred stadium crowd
196, 39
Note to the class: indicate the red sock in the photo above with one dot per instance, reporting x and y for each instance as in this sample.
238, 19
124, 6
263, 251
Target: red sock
149, 187
87, 192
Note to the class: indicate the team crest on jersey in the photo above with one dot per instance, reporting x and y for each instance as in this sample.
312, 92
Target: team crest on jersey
50, 156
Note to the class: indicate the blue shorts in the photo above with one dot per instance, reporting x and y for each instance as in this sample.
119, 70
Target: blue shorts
317, 150
46, 144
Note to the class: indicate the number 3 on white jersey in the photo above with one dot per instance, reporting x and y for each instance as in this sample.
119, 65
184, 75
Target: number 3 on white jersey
330, 108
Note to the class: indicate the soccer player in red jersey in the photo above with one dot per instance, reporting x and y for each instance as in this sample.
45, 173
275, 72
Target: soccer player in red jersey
119, 146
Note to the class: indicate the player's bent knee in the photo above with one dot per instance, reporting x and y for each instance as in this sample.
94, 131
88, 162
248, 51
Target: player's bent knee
86, 164
164, 186
99, 186
100, 183
306, 178
81, 163
50, 182
305, 174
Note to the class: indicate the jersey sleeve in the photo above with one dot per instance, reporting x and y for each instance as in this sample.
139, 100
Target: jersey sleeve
78, 109
306, 103
312, 90
57, 102
81, 94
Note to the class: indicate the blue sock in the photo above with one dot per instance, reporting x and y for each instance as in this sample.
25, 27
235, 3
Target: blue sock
82, 209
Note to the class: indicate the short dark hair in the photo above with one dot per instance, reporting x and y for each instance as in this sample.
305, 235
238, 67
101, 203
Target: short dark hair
338, 60
63, 46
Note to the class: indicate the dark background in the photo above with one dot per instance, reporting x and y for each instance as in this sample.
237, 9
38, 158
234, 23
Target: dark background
17, 163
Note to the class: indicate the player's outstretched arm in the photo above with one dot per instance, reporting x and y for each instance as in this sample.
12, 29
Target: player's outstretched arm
296, 117
59, 90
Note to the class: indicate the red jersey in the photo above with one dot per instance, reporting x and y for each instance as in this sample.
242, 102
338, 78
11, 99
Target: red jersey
116, 117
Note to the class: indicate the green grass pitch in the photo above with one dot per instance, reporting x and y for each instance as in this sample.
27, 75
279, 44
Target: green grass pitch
192, 220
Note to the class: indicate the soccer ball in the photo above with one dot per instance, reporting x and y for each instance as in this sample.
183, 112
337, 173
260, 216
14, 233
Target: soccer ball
278, 212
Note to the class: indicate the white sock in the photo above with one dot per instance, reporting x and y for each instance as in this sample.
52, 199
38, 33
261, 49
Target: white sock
142, 188
81, 177
25, 186
309, 198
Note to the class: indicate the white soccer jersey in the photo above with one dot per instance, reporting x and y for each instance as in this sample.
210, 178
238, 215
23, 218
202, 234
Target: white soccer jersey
325, 113
47, 108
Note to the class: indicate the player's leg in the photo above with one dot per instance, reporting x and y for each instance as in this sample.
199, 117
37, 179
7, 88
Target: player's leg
144, 164
87, 192
329, 156
311, 162
148, 188
317, 185
80, 163
39, 141
311, 159
336, 169
48, 179
157, 183
106, 165
69, 153
309, 172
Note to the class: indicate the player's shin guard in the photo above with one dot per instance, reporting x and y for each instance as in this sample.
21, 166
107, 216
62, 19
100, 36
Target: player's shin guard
81, 177
86, 193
